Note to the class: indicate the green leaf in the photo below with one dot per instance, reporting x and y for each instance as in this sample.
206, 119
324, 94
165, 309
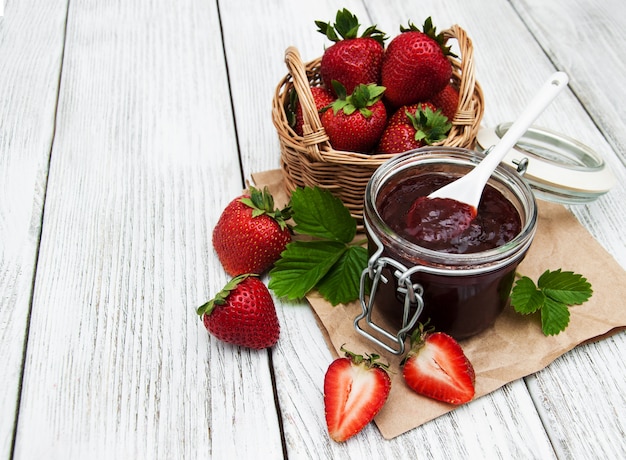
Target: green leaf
525, 297
554, 293
342, 283
566, 287
554, 317
302, 265
318, 213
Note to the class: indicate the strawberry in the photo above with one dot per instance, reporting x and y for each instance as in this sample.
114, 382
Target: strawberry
415, 66
413, 126
355, 123
447, 100
250, 234
242, 313
352, 59
355, 389
436, 367
322, 98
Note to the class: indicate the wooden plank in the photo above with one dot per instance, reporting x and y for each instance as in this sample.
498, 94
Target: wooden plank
588, 41
31, 49
145, 158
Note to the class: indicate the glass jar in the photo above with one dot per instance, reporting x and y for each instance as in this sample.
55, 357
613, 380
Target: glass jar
461, 294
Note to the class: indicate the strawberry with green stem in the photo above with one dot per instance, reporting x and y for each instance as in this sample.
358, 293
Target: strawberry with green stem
415, 65
353, 59
250, 233
242, 313
355, 122
413, 126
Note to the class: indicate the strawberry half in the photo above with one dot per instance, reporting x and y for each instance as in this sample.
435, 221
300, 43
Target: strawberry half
250, 234
355, 389
242, 313
436, 367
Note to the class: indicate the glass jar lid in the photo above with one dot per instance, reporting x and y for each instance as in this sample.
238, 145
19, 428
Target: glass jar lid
557, 167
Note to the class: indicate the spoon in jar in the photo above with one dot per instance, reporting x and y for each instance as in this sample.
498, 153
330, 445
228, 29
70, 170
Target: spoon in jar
448, 211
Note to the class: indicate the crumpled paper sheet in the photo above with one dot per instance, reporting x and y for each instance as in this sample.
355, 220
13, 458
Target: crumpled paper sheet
514, 346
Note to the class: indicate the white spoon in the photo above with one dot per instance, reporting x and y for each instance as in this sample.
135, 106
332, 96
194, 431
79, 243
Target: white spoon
431, 220
468, 189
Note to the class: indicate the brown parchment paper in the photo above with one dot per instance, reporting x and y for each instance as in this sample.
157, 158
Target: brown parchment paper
514, 346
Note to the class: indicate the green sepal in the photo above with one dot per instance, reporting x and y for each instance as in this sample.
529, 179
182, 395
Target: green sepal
220, 298
262, 202
431, 31
347, 27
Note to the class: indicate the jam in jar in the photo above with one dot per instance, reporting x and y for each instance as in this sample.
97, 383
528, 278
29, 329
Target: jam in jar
459, 284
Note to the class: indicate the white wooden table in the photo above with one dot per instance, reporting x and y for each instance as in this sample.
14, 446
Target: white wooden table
126, 127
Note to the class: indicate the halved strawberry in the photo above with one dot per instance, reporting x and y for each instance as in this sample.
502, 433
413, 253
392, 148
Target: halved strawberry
355, 389
436, 367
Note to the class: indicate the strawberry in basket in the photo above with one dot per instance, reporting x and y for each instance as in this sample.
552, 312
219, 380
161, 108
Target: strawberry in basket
413, 126
353, 59
415, 65
355, 122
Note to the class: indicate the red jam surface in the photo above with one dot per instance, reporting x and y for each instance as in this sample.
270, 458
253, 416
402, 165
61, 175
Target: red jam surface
434, 223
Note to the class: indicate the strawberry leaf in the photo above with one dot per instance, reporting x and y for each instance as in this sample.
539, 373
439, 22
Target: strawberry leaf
554, 293
525, 297
330, 260
554, 317
342, 283
302, 265
566, 287
319, 213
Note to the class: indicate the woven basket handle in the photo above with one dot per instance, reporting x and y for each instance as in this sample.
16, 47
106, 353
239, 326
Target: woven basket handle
466, 114
314, 133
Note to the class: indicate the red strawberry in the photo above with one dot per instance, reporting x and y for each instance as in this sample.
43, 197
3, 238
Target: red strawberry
243, 314
447, 100
415, 66
355, 389
322, 98
250, 234
436, 367
413, 126
355, 123
353, 59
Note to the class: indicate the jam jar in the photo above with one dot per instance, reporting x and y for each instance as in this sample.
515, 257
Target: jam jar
458, 287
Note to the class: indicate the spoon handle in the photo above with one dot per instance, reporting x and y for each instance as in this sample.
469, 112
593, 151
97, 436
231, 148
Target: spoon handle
537, 105
468, 189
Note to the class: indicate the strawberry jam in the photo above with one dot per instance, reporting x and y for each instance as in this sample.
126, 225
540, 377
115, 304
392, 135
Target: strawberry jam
447, 225
458, 281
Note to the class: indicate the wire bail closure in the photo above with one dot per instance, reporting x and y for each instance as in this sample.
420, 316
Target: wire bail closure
411, 293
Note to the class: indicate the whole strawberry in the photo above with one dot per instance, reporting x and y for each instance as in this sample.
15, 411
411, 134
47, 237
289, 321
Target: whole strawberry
243, 314
250, 234
415, 66
436, 367
447, 100
354, 123
413, 126
355, 389
352, 59
322, 98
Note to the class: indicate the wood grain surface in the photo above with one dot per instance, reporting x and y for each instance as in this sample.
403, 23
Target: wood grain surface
126, 127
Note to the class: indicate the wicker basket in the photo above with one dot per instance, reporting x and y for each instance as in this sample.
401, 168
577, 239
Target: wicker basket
309, 160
